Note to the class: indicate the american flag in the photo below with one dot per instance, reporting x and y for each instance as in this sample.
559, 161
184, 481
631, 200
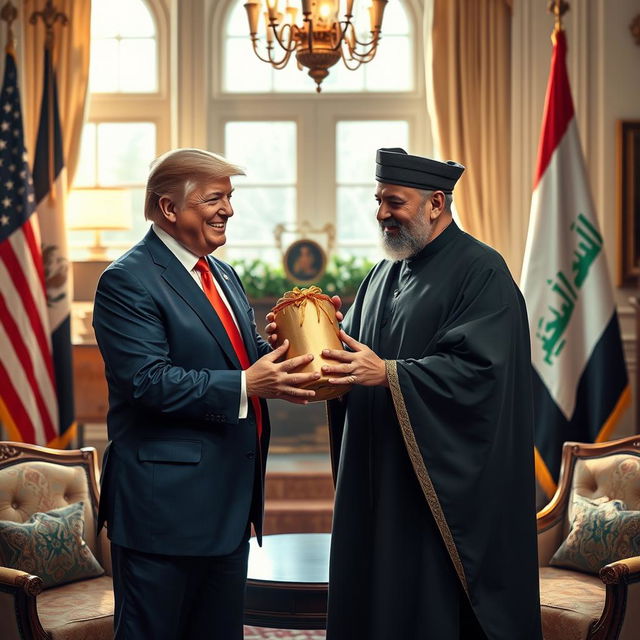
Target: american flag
28, 399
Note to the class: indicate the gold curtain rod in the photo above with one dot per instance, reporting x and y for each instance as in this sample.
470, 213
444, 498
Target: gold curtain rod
9, 14
49, 16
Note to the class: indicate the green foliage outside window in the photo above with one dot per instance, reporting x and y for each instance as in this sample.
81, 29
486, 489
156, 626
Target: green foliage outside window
265, 280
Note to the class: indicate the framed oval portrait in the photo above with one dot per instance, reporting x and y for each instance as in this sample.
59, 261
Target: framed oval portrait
304, 261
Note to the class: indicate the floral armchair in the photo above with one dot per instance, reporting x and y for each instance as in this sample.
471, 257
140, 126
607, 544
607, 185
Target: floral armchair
603, 604
63, 483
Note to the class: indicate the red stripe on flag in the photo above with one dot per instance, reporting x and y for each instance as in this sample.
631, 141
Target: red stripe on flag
558, 106
15, 407
23, 286
34, 249
22, 352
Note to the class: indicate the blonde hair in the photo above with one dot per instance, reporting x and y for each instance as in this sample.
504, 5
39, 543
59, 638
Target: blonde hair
177, 173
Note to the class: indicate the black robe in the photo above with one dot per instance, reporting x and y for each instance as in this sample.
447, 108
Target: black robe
435, 482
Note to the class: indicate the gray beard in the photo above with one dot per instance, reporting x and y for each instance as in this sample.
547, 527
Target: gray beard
409, 240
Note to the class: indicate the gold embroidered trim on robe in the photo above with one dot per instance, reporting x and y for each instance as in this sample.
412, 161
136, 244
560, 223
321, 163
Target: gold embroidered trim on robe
420, 469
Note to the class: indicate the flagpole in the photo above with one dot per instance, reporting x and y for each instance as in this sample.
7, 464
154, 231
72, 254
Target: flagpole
9, 15
49, 16
558, 8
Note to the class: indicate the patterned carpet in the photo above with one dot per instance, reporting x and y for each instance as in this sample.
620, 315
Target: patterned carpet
259, 633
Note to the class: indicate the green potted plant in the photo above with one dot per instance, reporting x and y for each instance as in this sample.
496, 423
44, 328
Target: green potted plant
265, 282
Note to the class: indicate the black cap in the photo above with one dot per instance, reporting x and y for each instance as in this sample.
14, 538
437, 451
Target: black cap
396, 166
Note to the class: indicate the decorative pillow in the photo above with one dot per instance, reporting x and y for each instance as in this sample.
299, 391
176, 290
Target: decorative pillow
49, 545
602, 531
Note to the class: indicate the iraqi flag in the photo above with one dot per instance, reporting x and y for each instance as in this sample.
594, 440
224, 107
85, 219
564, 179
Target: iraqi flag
579, 373
50, 184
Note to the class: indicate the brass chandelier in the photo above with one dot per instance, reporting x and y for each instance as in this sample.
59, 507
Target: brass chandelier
319, 39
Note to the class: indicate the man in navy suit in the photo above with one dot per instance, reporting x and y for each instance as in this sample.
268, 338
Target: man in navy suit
183, 475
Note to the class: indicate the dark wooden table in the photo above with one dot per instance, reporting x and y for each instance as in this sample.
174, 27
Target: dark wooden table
287, 581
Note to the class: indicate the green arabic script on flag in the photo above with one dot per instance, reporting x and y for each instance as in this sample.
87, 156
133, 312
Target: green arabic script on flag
550, 332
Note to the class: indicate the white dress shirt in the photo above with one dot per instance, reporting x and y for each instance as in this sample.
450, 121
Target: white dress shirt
189, 260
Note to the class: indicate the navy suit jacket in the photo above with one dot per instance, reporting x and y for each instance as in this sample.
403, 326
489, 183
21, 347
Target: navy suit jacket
182, 474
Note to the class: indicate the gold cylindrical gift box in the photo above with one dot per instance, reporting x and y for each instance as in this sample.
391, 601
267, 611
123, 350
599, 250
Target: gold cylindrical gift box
307, 318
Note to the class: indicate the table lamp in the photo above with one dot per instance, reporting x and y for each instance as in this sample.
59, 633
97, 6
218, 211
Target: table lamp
97, 210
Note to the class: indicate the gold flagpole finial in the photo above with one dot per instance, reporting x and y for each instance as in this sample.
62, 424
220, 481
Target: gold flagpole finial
49, 15
558, 8
9, 14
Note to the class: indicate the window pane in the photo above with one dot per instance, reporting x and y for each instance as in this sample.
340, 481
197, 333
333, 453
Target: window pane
395, 20
392, 68
243, 71
257, 211
356, 145
139, 226
237, 23
268, 152
123, 47
342, 79
105, 18
125, 150
357, 215
116, 242
291, 79
138, 70
110, 18
86, 173
103, 70
266, 149
136, 20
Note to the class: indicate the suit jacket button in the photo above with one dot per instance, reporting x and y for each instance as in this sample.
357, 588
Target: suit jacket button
251, 455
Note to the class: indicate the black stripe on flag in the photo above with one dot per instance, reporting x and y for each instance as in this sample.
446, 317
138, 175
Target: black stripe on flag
601, 385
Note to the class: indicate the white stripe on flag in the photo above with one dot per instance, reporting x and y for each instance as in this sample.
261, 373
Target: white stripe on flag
18, 243
21, 385
567, 319
14, 302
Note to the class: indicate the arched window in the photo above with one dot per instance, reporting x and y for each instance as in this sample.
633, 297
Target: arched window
128, 120
310, 157
124, 43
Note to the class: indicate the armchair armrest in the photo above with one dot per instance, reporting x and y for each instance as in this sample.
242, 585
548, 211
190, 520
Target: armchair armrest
553, 513
18, 610
16, 580
622, 571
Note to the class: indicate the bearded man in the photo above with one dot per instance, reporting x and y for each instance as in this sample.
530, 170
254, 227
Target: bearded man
434, 526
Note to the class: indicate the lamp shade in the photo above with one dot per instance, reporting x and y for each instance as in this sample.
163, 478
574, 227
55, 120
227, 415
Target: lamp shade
99, 209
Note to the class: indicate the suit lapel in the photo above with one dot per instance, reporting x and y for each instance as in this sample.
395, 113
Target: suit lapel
181, 281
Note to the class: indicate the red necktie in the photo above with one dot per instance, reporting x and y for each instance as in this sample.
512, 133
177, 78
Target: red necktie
211, 291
